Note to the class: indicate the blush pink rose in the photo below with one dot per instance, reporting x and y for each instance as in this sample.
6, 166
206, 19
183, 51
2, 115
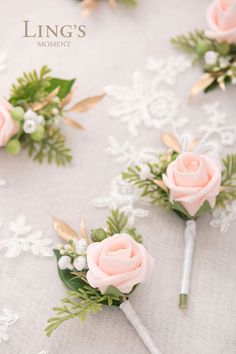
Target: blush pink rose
221, 17
119, 261
192, 179
8, 127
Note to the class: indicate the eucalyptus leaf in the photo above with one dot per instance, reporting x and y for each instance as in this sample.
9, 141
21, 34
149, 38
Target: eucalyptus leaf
65, 86
67, 278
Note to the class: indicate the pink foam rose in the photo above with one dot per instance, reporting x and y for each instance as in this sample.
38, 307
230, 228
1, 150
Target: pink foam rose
192, 179
119, 261
8, 127
221, 17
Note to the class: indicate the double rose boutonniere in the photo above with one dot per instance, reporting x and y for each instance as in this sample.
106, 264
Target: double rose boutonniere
214, 49
190, 184
30, 117
90, 5
101, 270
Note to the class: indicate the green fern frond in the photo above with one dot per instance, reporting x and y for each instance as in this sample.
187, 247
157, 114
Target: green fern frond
30, 87
118, 223
51, 148
228, 181
189, 42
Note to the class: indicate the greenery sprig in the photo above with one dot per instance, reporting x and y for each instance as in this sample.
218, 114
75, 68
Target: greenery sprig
228, 185
218, 60
39, 102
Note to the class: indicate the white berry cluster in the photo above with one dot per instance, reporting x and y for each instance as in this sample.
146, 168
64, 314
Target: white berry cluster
32, 121
74, 257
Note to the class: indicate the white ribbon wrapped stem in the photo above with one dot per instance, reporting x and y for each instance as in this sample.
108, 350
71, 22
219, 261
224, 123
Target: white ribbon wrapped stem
189, 236
143, 333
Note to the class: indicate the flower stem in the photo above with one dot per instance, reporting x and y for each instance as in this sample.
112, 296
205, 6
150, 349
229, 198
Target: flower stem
183, 301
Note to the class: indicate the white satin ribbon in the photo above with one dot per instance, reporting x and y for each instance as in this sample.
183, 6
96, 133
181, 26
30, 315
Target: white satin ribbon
143, 333
189, 236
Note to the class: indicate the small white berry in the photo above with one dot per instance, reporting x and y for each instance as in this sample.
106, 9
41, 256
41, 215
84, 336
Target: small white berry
55, 111
40, 120
224, 62
29, 126
29, 114
65, 263
211, 57
80, 263
81, 246
56, 99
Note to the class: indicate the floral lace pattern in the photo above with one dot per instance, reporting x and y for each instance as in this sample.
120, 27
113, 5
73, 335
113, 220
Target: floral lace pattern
7, 318
24, 239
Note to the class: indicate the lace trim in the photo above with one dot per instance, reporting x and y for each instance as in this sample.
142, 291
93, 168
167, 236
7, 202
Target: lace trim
24, 239
7, 319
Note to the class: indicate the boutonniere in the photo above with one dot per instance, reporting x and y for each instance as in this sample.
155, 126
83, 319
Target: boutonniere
29, 118
101, 269
90, 5
190, 184
214, 49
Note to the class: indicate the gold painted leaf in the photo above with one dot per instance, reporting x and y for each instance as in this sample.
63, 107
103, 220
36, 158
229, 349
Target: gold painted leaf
205, 81
72, 123
113, 4
64, 231
39, 105
160, 184
194, 143
83, 230
67, 99
86, 104
171, 142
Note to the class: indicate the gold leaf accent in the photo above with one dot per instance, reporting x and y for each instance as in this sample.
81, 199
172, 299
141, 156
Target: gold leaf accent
83, 230
72, 123
113, 4
88, 6
67, 99
64, 231
171, 142
39, 105
205, 81
161, 184
222, 85
86, 104
194, 143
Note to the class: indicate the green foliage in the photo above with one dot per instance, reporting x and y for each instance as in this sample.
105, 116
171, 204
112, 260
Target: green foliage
82, 302
148, 188
51, 148
30, 87
118, 223
130, 2
65, 86
182, 212
189, 42
228, 181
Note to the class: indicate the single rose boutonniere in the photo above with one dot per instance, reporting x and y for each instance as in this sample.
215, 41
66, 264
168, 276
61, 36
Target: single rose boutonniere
30, 118
102, 269
190, 184
214, 49
90, 5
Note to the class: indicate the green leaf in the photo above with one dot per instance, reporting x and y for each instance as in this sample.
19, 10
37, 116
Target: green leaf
68, 279
182, 212
113, 291
65, 86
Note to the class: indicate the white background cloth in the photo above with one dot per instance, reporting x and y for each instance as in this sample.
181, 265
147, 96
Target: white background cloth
116, 44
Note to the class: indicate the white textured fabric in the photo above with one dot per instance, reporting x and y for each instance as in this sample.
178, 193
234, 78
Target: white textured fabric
117, 44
